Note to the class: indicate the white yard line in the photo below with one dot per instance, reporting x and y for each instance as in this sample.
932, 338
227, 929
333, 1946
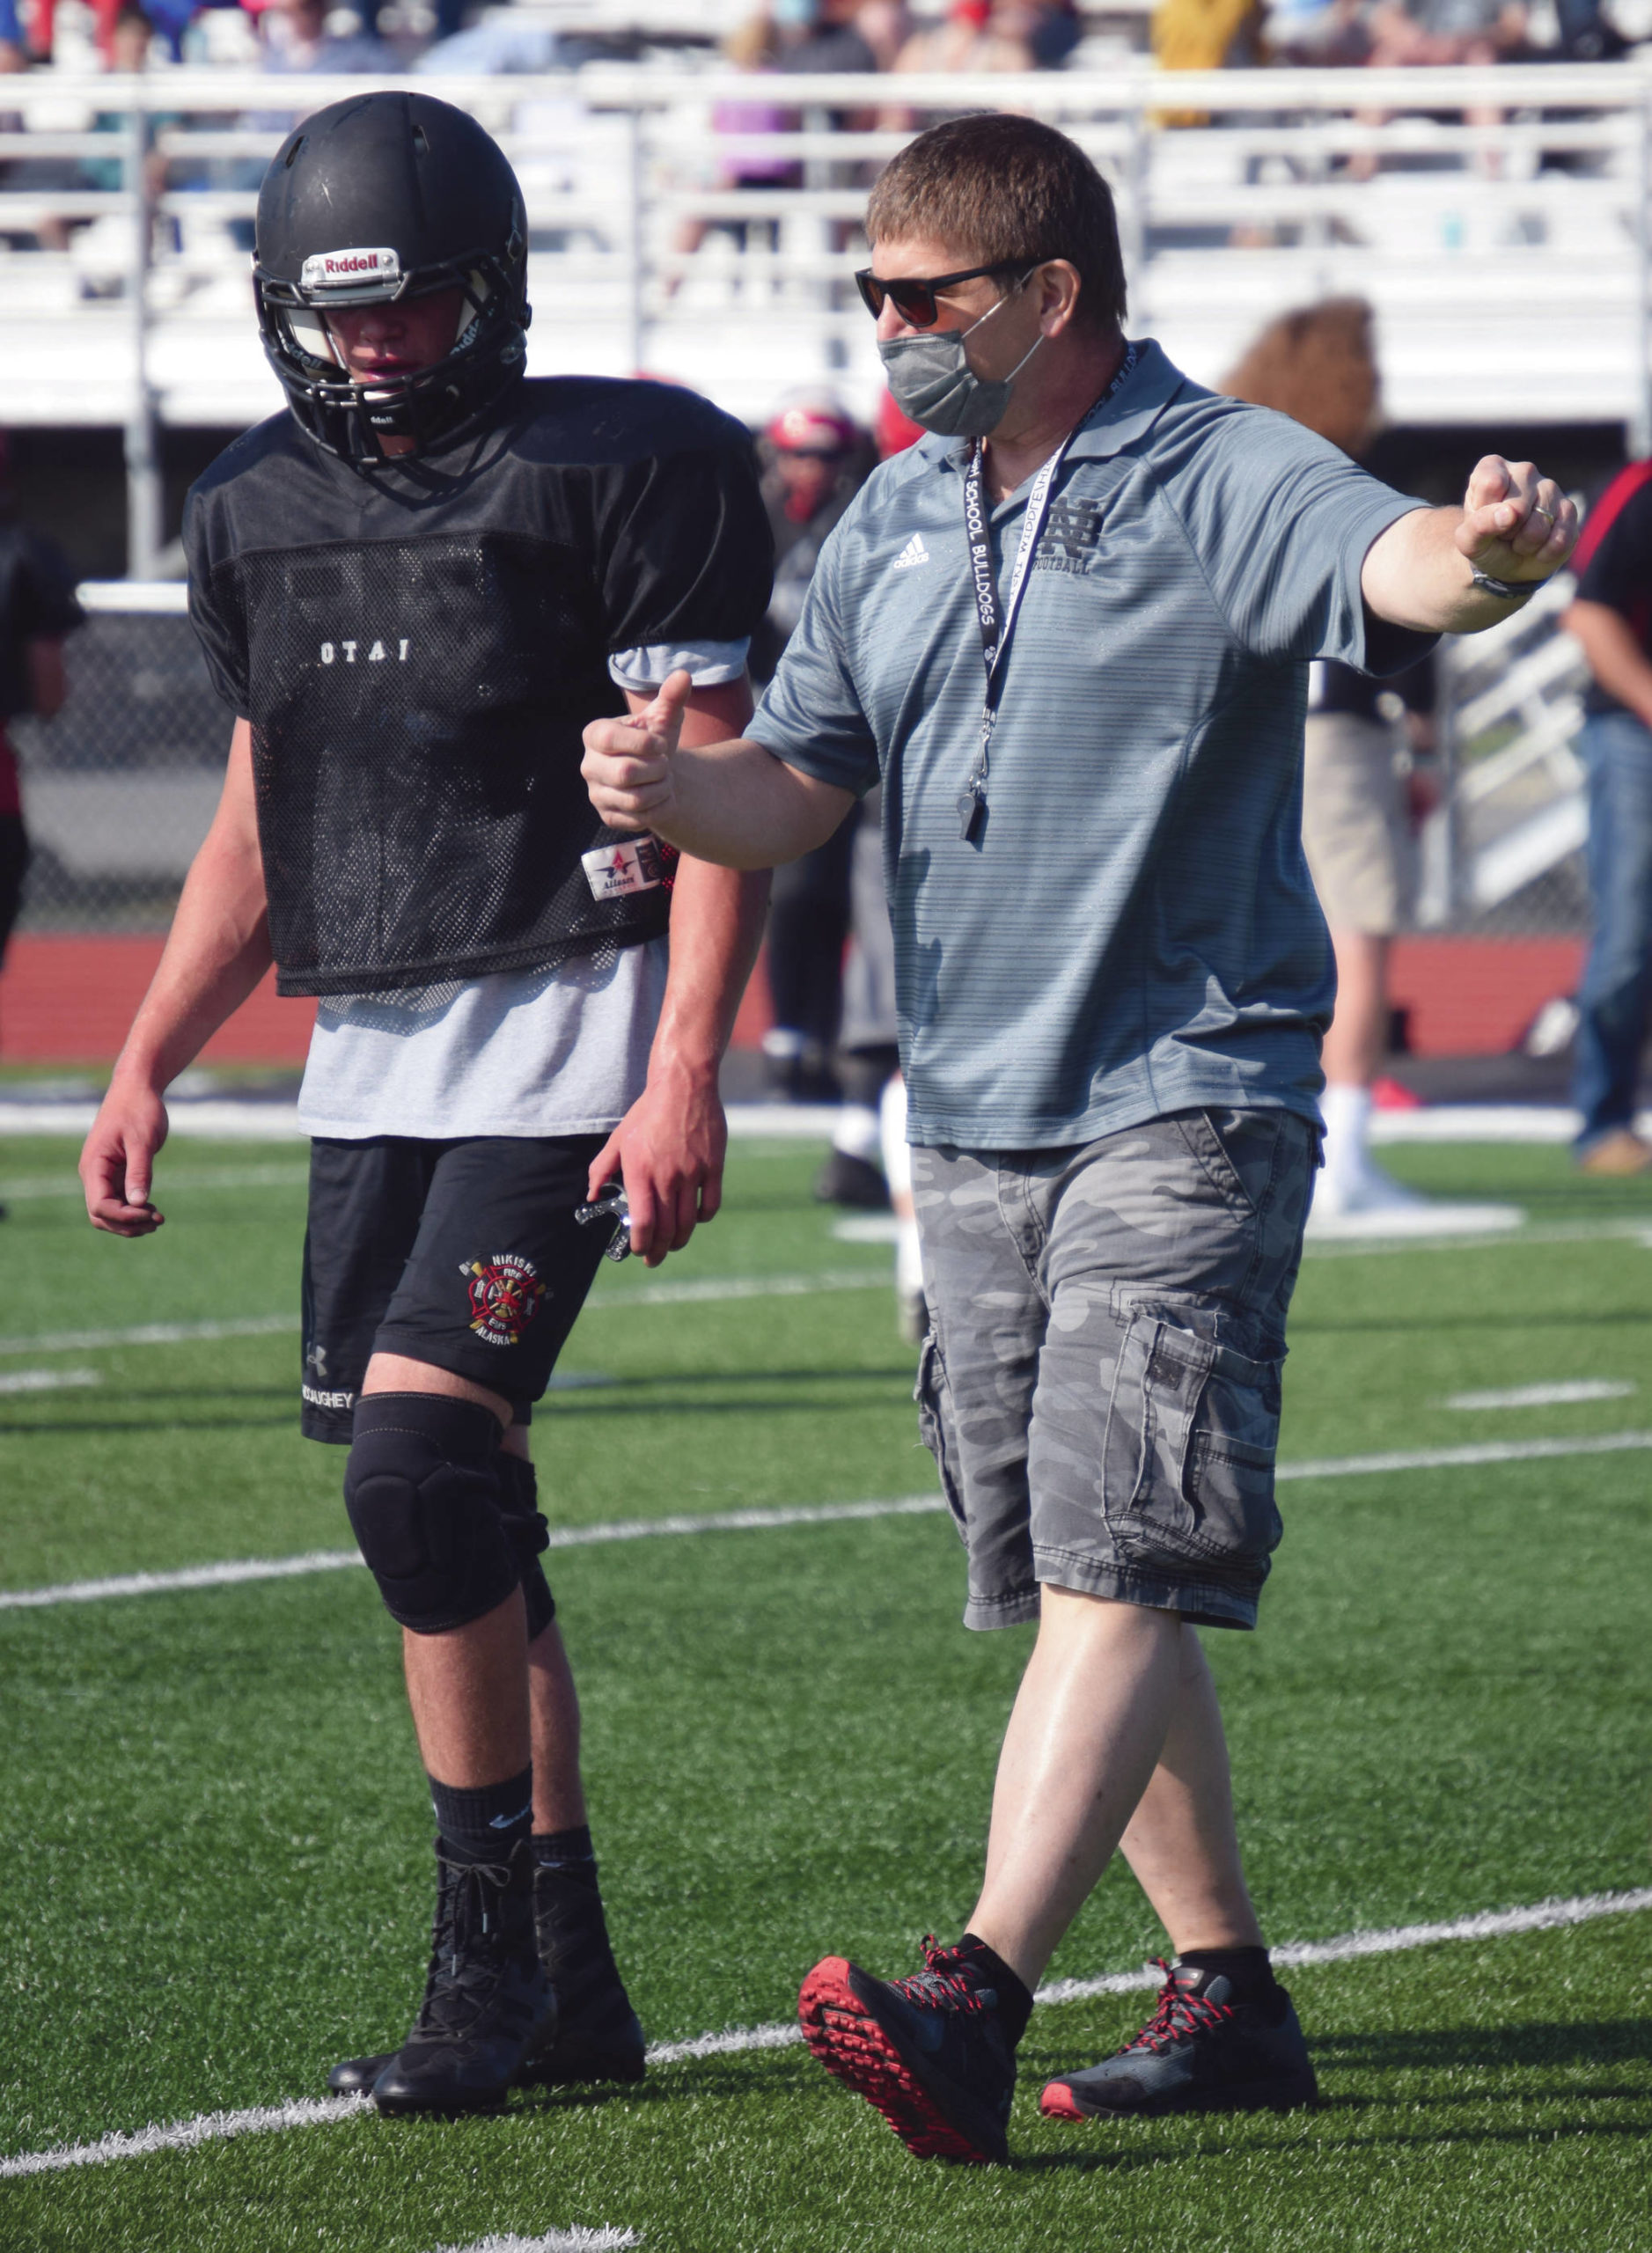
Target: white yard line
247, 1118
701, 1293
46, 1380
151, 1334
554, 2241
304, 2112
1561, 1395
1454, 1458
653, 1529
28, 1186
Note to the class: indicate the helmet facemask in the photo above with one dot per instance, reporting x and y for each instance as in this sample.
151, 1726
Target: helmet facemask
437, 405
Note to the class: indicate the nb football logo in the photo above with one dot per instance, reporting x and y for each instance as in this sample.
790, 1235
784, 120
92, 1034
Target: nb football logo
1071, 537
374, 653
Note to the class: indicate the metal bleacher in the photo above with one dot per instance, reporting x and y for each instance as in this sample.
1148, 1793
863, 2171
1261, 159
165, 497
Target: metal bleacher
1497, 219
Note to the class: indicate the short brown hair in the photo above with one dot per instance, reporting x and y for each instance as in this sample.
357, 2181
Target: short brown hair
1316, 363
1010, 191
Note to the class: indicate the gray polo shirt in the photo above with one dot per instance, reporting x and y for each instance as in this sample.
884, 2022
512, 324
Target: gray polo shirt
1133, 929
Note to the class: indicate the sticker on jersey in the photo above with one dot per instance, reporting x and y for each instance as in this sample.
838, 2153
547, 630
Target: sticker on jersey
505, 1292
613, 870
348, 270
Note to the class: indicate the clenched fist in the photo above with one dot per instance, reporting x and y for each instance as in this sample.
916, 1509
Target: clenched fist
1516, 524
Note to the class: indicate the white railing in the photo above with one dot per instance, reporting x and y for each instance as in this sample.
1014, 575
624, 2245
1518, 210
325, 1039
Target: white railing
121, 786
1496, 218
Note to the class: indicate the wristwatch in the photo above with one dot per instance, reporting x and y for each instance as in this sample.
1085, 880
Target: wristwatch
1505, 590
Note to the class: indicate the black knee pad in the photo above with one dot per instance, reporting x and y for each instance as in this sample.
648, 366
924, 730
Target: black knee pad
428, 1506
519, 1499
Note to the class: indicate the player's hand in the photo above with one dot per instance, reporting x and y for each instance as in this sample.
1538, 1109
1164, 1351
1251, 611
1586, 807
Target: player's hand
628, 763
1515, 524
118, 1161
668, 1150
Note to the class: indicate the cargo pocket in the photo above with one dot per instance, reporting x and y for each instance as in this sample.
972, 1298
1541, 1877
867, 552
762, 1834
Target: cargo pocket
1188, 1454
936, 1427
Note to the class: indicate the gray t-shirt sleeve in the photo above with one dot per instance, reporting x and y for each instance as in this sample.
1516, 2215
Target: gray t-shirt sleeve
1281, 522
810, 714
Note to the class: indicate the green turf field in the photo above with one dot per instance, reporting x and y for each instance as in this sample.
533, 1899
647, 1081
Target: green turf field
216, 1847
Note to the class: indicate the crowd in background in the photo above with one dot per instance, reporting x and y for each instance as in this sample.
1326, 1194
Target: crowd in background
809, 36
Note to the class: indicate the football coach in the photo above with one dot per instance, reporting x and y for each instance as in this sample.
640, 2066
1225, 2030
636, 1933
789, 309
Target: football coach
1071, 633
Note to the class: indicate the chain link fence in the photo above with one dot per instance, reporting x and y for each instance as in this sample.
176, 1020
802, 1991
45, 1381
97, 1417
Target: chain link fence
120, 788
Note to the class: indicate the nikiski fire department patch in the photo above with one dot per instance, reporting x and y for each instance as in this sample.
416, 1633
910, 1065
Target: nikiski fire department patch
505, 1292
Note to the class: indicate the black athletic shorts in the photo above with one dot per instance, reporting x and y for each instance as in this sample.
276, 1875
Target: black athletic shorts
465, 1254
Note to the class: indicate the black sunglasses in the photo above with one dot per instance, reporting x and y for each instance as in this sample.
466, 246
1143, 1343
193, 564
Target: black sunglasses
914, 300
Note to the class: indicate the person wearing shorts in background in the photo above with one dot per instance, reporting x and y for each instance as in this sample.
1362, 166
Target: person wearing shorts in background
1113, 977
1611, 617
1367, 788
412, 588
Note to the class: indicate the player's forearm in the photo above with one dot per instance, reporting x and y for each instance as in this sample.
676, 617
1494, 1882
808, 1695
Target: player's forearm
718, 917
1415, 576
217, 951
736, 804
1615, 657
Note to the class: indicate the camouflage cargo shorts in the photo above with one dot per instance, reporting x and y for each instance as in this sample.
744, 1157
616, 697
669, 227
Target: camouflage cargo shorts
1100, 1387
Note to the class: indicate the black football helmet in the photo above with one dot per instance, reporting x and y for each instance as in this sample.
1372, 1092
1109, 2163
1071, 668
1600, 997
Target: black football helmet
391, 196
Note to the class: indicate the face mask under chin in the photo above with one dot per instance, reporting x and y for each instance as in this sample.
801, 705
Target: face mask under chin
930, 380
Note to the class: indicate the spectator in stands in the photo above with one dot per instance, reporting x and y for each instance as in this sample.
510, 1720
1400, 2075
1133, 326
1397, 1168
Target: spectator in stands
1434, 33
823, 35
1364, 792
886, 26
1206, 34
296, 38
755, 46
1613, 618
37, 609
1049, 29
974, 35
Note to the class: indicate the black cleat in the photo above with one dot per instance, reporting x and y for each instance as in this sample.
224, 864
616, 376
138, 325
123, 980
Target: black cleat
488, 2000
597, 2035
928, 2052
1201, 2052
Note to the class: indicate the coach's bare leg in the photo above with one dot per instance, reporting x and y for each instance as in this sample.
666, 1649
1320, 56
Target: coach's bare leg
1182, 1842
1090, 1721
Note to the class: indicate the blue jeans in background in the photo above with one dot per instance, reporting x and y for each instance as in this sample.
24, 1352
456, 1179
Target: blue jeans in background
1616, 995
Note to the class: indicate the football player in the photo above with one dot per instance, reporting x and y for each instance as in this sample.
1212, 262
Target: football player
413, 587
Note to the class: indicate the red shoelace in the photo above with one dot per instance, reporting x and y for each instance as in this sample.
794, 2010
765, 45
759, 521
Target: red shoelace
946, 1981
1181, 2011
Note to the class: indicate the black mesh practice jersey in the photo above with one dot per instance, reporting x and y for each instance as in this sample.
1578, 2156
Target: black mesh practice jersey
418, 648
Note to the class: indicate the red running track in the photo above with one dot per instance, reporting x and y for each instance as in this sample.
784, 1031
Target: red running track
70, 1001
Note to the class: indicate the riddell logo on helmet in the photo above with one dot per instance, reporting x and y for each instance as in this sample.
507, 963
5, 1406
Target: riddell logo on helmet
342, 269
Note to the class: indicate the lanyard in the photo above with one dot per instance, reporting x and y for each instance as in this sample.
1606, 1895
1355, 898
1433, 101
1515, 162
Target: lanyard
997, 623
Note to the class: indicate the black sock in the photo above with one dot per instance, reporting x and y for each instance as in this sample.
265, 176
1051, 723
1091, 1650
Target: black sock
1247, 1970
485, 1824
567, 1853
1014, 1997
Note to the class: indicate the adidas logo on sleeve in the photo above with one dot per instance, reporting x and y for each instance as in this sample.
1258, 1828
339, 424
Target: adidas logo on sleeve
913, 551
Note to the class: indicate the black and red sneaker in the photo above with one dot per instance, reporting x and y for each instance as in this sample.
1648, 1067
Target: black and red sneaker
930, 2053
1203, 2050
